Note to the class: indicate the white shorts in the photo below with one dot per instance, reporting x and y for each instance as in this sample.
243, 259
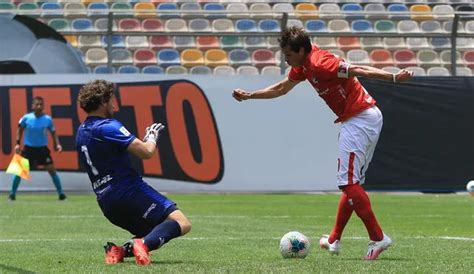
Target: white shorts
357, 140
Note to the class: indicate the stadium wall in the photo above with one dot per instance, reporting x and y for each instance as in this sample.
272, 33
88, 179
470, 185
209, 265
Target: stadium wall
215, 144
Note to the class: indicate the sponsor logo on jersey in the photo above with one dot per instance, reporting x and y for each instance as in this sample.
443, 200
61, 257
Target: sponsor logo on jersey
124, 131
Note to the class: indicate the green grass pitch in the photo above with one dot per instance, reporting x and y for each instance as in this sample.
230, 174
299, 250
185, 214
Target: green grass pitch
240, 234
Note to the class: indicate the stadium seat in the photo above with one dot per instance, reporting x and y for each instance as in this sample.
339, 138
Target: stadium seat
152, 70
224, 71
315, 26
102, 24
352, 11
199, 25
401, 9
117, 41
361, 26
96, 56
176, 69
391, 69
237, 10
245, 25
74, 9
469, 26
417, 71
144, 57
72, 40
160, 42
468, 58
306, 11
121, 8
143, 10
282, 8
89, 41
431, 26
9, 8
254, 42
239, 57
103, 69
207, 42
438, 71
167, 10
152, 24
184, 42
269, 25
338, 25
129, 24
47, 9
329, 11
463, 71
347, 43
325, 42
467, 8
385, 26
176, 25
338, 52
82, 25
247, 70
222, 25
448, 25
26, 8
168, 57
121, 57
215, 57
404, 58
427, 58
381, 58
440, 43
417, 43
200, 70
445, 58
216, 10
270, 70
59, 24
263, 57
358, 57
128, 69
421, 12
134, 42
294, 23
375, 11
190, 9
272, 42
231, 42
259, 10
97, 9
443, 12
368, 43
408, 26
192, 57
464, 43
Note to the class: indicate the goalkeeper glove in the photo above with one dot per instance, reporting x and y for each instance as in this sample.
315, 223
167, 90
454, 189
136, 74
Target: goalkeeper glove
153, 132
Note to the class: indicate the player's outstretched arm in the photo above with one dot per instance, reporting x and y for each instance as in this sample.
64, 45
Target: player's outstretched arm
273, 91
375, 73
146, 148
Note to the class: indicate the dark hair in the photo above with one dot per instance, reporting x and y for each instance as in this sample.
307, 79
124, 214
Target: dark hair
94, 94
38, 98
295, 38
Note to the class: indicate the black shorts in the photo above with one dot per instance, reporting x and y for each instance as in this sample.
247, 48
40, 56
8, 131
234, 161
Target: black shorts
37, 156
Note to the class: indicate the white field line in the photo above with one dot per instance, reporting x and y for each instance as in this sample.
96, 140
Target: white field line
227, 239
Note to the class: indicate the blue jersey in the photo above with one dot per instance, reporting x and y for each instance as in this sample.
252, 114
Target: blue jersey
36, 129
102, 145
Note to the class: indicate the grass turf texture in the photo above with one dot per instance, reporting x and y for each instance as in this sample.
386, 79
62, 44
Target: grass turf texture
241, 233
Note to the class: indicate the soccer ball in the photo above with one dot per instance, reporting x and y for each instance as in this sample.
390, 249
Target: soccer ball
470, 187
294, 245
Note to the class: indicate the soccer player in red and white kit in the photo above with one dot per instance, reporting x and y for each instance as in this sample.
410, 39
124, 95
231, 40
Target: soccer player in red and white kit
336, 83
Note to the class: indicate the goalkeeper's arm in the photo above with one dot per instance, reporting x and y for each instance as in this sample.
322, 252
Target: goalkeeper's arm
146, 148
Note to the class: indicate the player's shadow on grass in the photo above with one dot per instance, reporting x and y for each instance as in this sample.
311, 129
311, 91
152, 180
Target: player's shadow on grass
158, 262
12, 269
379, 259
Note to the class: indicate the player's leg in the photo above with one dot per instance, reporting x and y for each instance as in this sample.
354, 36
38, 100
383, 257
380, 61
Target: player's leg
46, 160
344, 212
26, 153
15, 183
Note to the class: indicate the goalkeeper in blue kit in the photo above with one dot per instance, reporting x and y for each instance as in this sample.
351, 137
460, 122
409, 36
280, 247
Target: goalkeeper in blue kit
104, 144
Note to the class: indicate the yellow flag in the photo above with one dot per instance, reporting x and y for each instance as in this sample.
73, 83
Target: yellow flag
19, 166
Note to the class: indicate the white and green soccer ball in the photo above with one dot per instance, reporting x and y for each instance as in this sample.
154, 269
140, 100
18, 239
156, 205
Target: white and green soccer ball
294, 244
470, 187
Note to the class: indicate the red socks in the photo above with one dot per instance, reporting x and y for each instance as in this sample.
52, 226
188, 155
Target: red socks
344, 212
355, 198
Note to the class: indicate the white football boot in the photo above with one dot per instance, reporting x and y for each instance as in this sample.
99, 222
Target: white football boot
333, 248
377, 247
